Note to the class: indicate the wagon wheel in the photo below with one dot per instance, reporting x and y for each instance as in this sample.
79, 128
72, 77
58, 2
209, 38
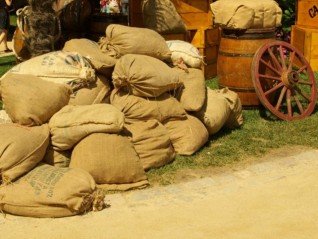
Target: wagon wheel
284, 81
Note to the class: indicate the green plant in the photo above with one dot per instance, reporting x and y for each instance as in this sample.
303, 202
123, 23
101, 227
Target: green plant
288, 18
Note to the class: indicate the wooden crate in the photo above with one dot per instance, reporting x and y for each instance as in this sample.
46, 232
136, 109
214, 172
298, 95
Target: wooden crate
210, 54
306, 41
194, 13
307, 13
204, 36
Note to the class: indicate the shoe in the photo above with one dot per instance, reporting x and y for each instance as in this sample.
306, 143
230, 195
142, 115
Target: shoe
7, 50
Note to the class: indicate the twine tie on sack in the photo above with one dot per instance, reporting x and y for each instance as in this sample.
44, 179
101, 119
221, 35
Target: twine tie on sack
108, 47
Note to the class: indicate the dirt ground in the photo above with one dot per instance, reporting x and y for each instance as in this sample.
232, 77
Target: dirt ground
271, 197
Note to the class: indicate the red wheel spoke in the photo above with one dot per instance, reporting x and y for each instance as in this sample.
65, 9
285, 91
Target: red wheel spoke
281, 96
282, 57
300, 106
304, 82
302, 93
301, 69
288, 101
274, 60
274, 89
271, 67
291, 60
270, 77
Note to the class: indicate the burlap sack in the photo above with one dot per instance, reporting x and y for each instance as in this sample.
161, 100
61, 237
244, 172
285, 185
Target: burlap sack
162, 16
246, 14
95, 93
193, 93
59, 67
4, 117
101, 62
112, 161
215, 111
138, 108
187, 136
121, 40
235, 118
30, 100
186, 51
21, 149
74, 122
144, 76
57, 158
152, 143
48, 191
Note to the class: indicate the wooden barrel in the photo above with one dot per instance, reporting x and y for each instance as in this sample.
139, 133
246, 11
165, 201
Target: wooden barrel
235, 57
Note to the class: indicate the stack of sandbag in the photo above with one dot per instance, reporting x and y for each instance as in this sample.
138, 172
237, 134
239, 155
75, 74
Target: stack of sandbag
246, 14
121, 108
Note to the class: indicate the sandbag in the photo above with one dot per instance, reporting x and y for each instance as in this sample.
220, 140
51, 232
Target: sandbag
57, 158
74, 122
152, 143
193, 93
246, 14
121, 40
186, 51
215, 111
4, 117
51, 192
235, 119
29, 100
162, 16
59, 67
187, 136
21, 149
137, 108
101, 62
95, 93
144, 76
112, 161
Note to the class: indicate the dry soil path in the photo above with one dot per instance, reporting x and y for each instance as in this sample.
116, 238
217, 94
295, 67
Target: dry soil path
274, 197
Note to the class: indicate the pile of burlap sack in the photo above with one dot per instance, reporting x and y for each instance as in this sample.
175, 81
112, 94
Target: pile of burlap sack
97, 115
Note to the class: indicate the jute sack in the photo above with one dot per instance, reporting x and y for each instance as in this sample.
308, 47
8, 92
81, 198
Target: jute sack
21, 149
112, 161
215, 111
187, 136
101, 62
235, 118
138, 108
30, 100
59, 67
186, 51
121, 40
48, 191
95, 93
74, 122
4, 117
193, 93
144, 76
152, 143
245, 14
162, 16
57, 158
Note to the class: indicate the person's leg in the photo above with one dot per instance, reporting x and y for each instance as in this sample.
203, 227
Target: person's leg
3, 39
